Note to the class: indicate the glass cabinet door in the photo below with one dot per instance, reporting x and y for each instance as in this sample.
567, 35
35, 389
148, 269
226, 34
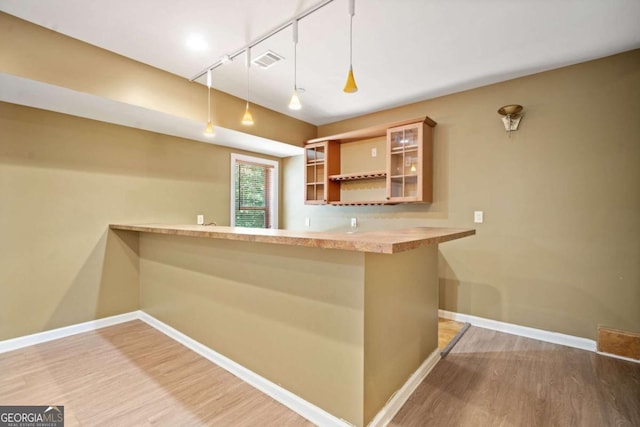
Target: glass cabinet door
404, 162
322, 160
314, 173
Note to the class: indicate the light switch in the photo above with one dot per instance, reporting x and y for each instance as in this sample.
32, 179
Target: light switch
478, 217
374, 152
200, 219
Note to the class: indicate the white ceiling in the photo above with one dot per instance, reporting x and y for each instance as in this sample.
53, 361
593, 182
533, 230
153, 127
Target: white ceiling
404, 50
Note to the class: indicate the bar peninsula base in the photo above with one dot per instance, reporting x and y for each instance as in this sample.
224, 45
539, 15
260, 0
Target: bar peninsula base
341, 320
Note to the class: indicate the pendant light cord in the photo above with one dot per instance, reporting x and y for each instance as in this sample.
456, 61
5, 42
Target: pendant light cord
248, 71
352, 11
351, 41
209, 97
295, 54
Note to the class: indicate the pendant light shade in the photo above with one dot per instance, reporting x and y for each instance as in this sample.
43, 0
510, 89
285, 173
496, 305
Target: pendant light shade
294, 102
247, 119
208, 131
351, 86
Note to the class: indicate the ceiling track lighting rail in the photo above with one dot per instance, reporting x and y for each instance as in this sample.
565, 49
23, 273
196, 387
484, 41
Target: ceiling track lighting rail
259, 40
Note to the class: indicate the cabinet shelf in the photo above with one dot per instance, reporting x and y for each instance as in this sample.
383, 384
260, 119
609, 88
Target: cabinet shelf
358, 176
364, 203
396, 150
407, 177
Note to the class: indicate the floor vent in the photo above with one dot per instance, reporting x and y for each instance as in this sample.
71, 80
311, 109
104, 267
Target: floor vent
267, 59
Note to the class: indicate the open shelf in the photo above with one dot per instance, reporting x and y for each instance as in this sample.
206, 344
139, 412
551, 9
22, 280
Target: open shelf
364, 203
358, 176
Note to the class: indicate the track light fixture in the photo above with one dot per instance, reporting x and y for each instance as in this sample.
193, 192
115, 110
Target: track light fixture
247, 119
208, 131
294, 102
350, 86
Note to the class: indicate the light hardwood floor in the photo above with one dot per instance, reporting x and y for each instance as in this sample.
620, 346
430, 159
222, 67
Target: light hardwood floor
447, 330
133, 375
496, 379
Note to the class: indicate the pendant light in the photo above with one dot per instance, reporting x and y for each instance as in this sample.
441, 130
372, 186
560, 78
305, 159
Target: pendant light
350, 86
208, 131
247, 119
294, 102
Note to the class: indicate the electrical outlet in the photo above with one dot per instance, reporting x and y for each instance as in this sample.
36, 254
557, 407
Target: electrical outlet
307, 222
374, 152
478, 217
354, 222
200, 219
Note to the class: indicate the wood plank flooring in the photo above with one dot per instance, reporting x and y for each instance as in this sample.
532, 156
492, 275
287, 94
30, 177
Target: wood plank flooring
133, 375
496, 379
447, 330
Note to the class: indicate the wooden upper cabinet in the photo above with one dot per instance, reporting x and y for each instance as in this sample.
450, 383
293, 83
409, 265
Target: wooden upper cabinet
321, 160
408, 177
410, 163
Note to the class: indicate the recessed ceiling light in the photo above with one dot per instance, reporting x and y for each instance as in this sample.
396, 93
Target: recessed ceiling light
196, 43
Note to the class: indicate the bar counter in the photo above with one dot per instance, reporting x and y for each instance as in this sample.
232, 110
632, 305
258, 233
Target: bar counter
340, 320
383, 241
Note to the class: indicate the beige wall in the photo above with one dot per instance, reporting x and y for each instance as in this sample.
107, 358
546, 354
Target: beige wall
63, 179
559, 247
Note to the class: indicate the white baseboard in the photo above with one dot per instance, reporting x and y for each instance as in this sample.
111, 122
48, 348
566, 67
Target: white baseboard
399, 398
615, 356
67, 331
523, 331
306, 409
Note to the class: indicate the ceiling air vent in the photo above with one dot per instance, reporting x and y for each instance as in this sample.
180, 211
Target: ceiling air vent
267, 59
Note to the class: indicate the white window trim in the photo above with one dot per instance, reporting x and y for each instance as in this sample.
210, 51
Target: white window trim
275, 182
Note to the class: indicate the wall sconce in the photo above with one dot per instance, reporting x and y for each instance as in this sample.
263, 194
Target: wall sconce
512, 116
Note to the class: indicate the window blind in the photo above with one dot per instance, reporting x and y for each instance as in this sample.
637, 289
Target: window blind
253, 196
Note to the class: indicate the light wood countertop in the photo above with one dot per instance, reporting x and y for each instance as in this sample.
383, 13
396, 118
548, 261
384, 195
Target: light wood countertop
384, 241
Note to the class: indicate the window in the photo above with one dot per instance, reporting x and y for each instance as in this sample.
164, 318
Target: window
254, 192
